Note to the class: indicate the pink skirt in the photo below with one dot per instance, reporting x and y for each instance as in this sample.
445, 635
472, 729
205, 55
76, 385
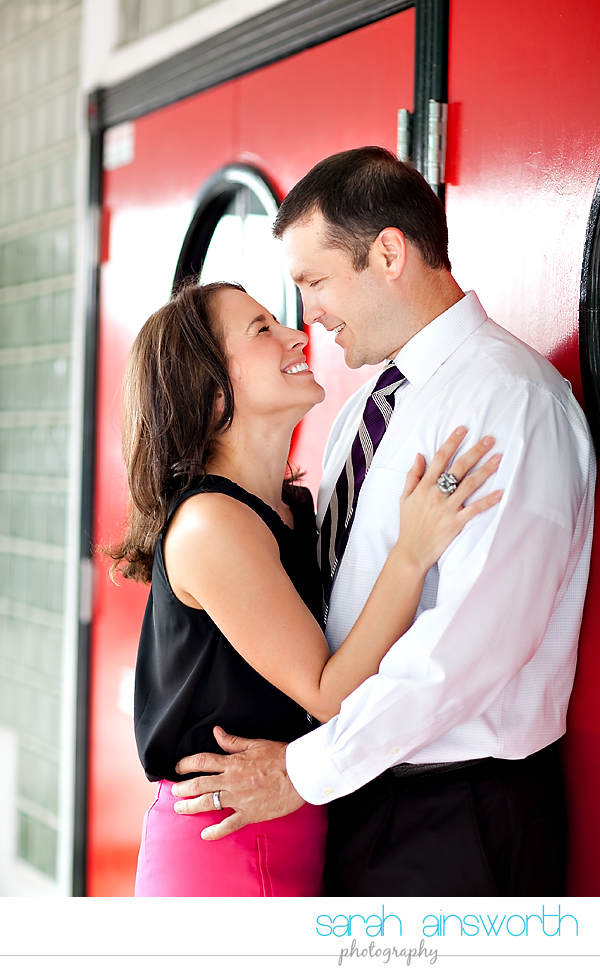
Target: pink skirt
278, 858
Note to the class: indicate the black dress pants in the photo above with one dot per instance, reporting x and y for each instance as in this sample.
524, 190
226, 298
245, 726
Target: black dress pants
492, 828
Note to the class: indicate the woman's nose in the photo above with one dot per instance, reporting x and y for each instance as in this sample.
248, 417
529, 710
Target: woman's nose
294, 337
301, 339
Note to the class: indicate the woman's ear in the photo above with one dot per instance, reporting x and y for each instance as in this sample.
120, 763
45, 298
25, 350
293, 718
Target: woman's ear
219, 404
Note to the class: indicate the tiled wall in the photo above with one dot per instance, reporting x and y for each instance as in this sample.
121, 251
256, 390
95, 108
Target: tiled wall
137, 18
39, 51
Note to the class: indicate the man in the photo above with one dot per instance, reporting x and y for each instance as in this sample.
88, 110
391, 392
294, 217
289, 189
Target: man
441, 770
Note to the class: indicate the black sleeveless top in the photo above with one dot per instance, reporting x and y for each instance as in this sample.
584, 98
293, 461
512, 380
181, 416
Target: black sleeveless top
189, 678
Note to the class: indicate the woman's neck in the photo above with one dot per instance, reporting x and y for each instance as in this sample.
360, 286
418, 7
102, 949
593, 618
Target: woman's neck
255, 458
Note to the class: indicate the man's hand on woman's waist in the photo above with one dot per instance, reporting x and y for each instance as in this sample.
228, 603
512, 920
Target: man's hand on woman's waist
252, 780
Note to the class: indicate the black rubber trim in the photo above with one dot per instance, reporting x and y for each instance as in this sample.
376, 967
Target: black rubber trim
212, 201
92, 271
431, 71
589, 318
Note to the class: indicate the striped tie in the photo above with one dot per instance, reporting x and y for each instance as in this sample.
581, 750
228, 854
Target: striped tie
337, 522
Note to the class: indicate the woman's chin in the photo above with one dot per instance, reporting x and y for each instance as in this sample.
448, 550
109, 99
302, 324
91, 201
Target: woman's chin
318, 396
310, 405
320, 393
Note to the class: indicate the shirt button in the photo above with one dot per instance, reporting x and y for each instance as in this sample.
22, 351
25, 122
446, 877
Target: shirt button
393, 751
328, 792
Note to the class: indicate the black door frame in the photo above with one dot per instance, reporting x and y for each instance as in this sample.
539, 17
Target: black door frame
589, 318
271, 36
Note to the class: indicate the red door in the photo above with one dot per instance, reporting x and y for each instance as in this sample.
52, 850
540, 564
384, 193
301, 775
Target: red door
280, 120
523, 162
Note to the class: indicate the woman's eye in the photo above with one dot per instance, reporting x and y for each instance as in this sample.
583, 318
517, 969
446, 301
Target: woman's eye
265, 327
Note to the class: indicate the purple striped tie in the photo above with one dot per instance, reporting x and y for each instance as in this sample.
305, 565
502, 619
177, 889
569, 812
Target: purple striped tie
338, 518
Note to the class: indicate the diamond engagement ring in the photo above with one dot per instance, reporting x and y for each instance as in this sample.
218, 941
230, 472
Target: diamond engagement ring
447, 483
217, 800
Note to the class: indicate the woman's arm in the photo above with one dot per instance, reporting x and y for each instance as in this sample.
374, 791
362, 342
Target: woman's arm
239, 580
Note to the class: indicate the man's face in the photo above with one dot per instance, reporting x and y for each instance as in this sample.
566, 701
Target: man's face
356, 305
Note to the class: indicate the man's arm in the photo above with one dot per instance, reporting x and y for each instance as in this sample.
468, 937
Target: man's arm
501, 585
498, 585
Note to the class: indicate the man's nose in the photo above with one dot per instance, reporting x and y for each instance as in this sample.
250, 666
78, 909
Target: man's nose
313, 312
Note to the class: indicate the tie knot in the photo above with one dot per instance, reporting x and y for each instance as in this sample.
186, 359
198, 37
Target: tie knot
389, 376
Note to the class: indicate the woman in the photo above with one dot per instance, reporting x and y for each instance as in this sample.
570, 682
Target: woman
232, 634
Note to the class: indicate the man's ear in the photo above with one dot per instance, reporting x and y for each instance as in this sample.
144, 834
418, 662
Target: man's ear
390, 246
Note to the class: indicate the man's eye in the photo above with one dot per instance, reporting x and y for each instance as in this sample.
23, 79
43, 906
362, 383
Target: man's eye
265, 327
314, 283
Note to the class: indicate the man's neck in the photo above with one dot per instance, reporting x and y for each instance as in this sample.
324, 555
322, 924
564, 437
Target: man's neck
427, 297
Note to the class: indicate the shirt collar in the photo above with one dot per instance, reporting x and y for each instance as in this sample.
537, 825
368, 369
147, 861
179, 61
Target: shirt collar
421, 357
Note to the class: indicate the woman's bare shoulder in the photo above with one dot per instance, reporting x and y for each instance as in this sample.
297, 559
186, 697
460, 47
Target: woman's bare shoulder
214, 541
209, 516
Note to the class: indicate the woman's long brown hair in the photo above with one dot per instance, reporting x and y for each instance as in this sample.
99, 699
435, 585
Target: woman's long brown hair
176, 369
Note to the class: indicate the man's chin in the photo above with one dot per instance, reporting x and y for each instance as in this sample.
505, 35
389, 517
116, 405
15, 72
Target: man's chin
352, 359
356, 359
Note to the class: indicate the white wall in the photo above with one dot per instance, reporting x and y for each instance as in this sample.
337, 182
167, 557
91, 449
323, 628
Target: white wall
102, 64
17, 879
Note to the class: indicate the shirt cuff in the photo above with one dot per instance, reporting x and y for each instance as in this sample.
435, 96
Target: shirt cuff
311, 771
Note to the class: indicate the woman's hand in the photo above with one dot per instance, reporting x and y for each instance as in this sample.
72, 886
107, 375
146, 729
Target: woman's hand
430, 519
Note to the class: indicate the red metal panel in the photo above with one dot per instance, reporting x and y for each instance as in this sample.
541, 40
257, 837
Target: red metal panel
282, 119
524, 158
176, 149
333, 97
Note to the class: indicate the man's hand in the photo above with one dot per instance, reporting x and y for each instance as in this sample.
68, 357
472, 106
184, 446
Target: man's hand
253, 780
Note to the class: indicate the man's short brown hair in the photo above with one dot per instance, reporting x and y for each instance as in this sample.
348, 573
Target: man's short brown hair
359, 193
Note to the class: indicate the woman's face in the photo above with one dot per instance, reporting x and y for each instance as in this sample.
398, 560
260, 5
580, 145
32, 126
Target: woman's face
266, 360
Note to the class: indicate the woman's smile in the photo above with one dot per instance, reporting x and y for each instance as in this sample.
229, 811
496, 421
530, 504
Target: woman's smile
296, 369
258, 349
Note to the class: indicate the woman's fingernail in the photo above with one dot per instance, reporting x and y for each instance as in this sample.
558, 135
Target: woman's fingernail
488, 440
174, 790
207, 833
178, 807
496, 459
460, 430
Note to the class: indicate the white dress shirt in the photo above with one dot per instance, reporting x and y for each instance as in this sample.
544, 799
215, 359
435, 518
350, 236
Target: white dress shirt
487, 667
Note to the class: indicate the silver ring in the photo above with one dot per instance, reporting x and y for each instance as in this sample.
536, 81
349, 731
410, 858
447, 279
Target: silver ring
447, 483
217, 800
